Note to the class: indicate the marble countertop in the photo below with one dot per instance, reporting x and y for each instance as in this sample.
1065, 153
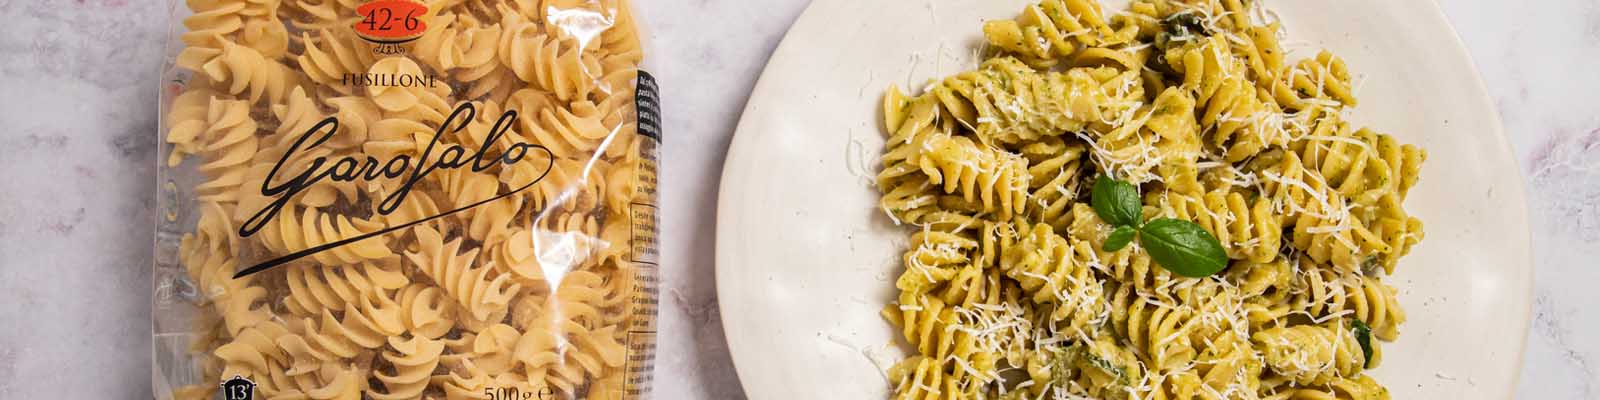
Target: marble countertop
77, 157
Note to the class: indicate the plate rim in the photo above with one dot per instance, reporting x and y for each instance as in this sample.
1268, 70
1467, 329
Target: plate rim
728, 186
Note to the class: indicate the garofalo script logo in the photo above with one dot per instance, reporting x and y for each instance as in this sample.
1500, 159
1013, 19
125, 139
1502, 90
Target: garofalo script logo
353, 168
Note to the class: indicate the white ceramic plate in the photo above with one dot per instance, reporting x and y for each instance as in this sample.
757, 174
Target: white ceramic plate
805, 260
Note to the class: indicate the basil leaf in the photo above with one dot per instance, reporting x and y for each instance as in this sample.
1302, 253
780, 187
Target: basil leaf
1116, 202
1364, 337
1119, 238
1183, 247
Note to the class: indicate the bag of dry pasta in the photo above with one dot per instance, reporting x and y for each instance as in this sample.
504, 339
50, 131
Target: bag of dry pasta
405, 199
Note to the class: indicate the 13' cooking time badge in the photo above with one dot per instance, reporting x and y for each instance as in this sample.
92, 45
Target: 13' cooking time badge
389, 23
238, 388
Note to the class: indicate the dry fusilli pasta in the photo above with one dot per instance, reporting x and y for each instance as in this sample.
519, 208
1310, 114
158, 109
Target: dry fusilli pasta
439, 203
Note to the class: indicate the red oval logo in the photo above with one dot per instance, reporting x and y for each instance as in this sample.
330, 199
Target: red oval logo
392, 21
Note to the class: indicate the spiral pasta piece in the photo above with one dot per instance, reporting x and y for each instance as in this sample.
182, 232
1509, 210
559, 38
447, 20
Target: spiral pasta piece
205, 256
568, 132
491, 350
925, 378
186, 120
330, 56
992, 177
322, 339
928, 324
466, 45
254, 351
422, 103
1054, 170
1320, 217
1153, 327
211, 21
320, 14
1095, 367
563, 356
464, 381
1311, 354
1267, 288
1008, 102
1322, 80
413, 361
310, 228
908, 194
481, 295
933, 259
1359, 388
1229, 364
552, 63
239, 69
1325, 291
1043, 263
335, 288
1056, 28
395, 137
1366, 168
253, 23
620, 43
333, 383
1240, 121
1248, 230
425, 310
1398, 235
229, 143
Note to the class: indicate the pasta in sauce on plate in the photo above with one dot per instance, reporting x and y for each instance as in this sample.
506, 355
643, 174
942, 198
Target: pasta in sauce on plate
1010, 288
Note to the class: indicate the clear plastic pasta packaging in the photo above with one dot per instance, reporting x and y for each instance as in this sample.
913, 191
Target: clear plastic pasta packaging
405, 199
